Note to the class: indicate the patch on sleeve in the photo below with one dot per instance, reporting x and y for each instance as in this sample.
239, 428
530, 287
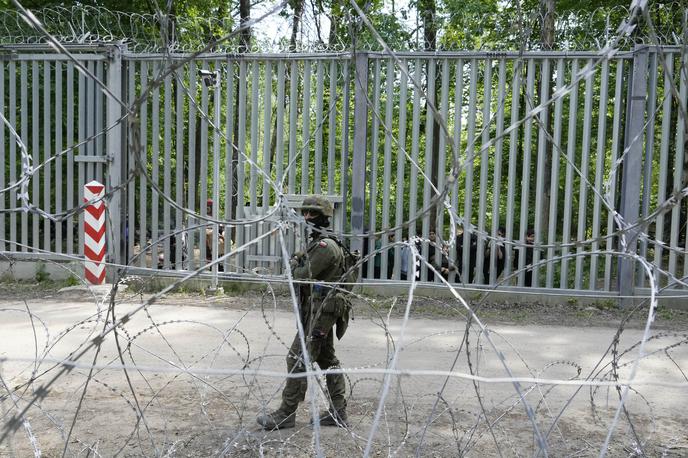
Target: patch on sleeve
323, 244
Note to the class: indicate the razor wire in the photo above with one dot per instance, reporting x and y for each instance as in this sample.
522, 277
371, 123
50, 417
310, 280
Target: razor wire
29, 396
161, 31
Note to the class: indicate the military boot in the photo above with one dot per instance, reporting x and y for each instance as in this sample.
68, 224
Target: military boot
278, 419
333, 417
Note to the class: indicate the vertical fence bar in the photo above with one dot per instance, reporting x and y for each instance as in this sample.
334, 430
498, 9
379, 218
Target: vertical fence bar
229, 162
428, 153
442, 163
318, 132
632, 164
293, 96
203, 168
401, 166
599, 172
155, 166
456, 159
191, 192
255, 137
47, 155
513, 160
115, 151
130, 217
167, 167
554, 177
525, 180
415, 139
89, 122
179, 177
59, 159
252, 229
12, 78
332, 129
241, 172
668, 71
215, 191
306, 120
279, 133
649, 151
372, 157
25, 136
610, 193
35, 152
69, 204
568, 187
143, 163
467, 264
344, 183
484, 169
131, 173
584, 174
267, 165
360, 149
544, 149
497, 175
98, 119
387, 167
82, 178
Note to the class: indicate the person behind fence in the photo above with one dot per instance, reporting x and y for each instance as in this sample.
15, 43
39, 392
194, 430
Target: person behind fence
320, 307
527, 265
210, 234
497, 245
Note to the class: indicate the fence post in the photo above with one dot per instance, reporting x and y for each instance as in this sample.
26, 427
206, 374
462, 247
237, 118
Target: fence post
115, 152
358, 164
632, 167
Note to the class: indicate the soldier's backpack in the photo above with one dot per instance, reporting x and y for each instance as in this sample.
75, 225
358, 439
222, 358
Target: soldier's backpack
349, 277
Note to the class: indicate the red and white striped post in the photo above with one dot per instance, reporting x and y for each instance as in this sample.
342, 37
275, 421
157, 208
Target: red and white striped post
94, 234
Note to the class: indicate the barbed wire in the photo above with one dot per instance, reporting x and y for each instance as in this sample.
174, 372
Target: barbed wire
458, 30
138, 334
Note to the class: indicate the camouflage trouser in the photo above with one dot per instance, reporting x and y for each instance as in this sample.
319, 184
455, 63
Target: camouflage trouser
320, 350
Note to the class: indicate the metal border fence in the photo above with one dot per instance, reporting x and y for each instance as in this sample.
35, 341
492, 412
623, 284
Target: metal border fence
563, 145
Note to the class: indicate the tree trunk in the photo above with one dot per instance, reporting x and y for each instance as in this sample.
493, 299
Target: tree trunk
336, 18
428, 11
297, 6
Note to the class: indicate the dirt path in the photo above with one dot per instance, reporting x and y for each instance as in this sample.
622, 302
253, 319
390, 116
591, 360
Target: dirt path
201, 369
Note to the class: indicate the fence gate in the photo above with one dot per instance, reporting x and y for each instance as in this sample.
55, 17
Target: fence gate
53, 140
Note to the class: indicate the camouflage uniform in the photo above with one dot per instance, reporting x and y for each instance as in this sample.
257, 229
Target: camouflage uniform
320, 307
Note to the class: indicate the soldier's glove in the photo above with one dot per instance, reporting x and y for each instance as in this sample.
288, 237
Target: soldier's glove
296, 260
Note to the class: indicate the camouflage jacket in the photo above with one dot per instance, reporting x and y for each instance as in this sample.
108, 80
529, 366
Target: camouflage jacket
322, 261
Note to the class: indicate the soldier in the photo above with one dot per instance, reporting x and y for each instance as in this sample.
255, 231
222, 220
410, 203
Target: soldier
320, 308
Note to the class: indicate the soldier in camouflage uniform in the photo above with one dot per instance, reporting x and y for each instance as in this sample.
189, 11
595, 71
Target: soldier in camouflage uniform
320, 307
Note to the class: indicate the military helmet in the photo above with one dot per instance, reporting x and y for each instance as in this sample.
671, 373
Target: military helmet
318, 203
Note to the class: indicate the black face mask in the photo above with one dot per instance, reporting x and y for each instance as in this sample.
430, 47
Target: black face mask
320, 221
